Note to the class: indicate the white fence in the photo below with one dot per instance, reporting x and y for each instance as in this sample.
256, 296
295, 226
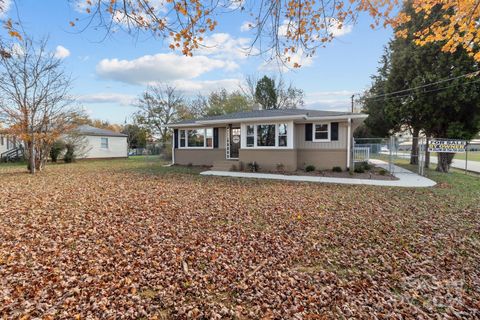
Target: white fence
361, 154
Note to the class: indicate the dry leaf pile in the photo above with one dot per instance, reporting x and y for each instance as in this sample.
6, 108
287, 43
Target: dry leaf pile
87, 241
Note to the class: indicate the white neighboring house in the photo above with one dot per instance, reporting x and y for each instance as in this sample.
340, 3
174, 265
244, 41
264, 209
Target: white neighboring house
8, 145
102, 143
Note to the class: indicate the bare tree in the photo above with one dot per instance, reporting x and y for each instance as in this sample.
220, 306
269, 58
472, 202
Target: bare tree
160, 105
34, 98
288, 97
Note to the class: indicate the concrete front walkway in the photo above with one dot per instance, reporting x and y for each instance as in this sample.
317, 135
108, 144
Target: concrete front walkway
405, 177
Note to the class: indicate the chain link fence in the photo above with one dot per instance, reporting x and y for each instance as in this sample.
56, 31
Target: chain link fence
153, 150
411, 153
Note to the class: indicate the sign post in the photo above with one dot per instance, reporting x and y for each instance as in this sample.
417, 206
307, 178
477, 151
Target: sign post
466, 158
449, 146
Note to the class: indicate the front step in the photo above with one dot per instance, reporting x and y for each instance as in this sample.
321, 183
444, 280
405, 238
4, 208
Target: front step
225, 165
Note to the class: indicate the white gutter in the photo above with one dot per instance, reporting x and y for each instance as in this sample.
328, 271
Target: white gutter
181, 125
173, 148
344, 117
349, 142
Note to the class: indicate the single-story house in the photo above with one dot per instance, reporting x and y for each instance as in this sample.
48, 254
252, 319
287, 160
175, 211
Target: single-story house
95, 143
102, 143
7, 143
290, 138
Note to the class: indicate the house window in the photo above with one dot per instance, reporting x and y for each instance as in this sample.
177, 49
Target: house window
321, 132
266, 135
196, 138
2, 141
250, 136
182, 138
282, 135
104, 143
209, 137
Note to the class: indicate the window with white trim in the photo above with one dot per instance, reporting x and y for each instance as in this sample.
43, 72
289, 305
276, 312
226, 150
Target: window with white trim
321, 132
182, 135
196, 138
282, 135
266, 135
250, 136
104, 143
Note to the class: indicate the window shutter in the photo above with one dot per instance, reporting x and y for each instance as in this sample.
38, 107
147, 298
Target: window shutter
308, 131
175, 138
334, 131
215, 137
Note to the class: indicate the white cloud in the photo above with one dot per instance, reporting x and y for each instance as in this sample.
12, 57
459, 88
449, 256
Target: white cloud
104, 97
277, 66
162, 67
329, 100
236, 4
246, 26
61, 52
224, 46
333, 27
17, 49
190, 87
81, 6
5, 7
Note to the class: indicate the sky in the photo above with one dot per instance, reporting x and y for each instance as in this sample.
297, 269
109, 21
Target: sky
110, 71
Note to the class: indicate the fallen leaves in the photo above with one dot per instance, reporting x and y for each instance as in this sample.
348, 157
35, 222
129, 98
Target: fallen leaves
80, 242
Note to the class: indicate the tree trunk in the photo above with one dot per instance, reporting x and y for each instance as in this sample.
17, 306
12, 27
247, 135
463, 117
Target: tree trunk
414, 152
427, 154
444, 161
31, 162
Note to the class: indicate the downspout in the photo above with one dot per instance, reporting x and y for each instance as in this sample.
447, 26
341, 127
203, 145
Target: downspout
173, 148
349, 143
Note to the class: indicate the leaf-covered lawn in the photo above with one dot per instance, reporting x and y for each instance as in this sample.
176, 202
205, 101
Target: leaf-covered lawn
131, 239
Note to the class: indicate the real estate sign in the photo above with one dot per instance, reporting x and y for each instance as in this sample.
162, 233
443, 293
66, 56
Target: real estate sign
442, 145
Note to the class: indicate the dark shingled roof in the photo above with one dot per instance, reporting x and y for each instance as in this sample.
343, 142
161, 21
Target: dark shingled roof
268, 114
92, 131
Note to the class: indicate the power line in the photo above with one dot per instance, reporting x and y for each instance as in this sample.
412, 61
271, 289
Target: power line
471, 74
428, 91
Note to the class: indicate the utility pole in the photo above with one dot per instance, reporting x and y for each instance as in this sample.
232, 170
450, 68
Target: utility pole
352, 101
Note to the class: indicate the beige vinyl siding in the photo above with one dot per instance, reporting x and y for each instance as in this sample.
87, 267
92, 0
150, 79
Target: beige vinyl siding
300, 142
322, 159
222, 138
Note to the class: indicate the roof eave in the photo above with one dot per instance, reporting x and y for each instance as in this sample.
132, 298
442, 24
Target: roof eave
200, 123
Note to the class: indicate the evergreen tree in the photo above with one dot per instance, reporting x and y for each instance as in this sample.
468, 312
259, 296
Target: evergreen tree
265, 93
449, 109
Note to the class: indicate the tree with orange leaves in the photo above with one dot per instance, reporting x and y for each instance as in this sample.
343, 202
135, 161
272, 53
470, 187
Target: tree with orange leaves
34, 99
286, 27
